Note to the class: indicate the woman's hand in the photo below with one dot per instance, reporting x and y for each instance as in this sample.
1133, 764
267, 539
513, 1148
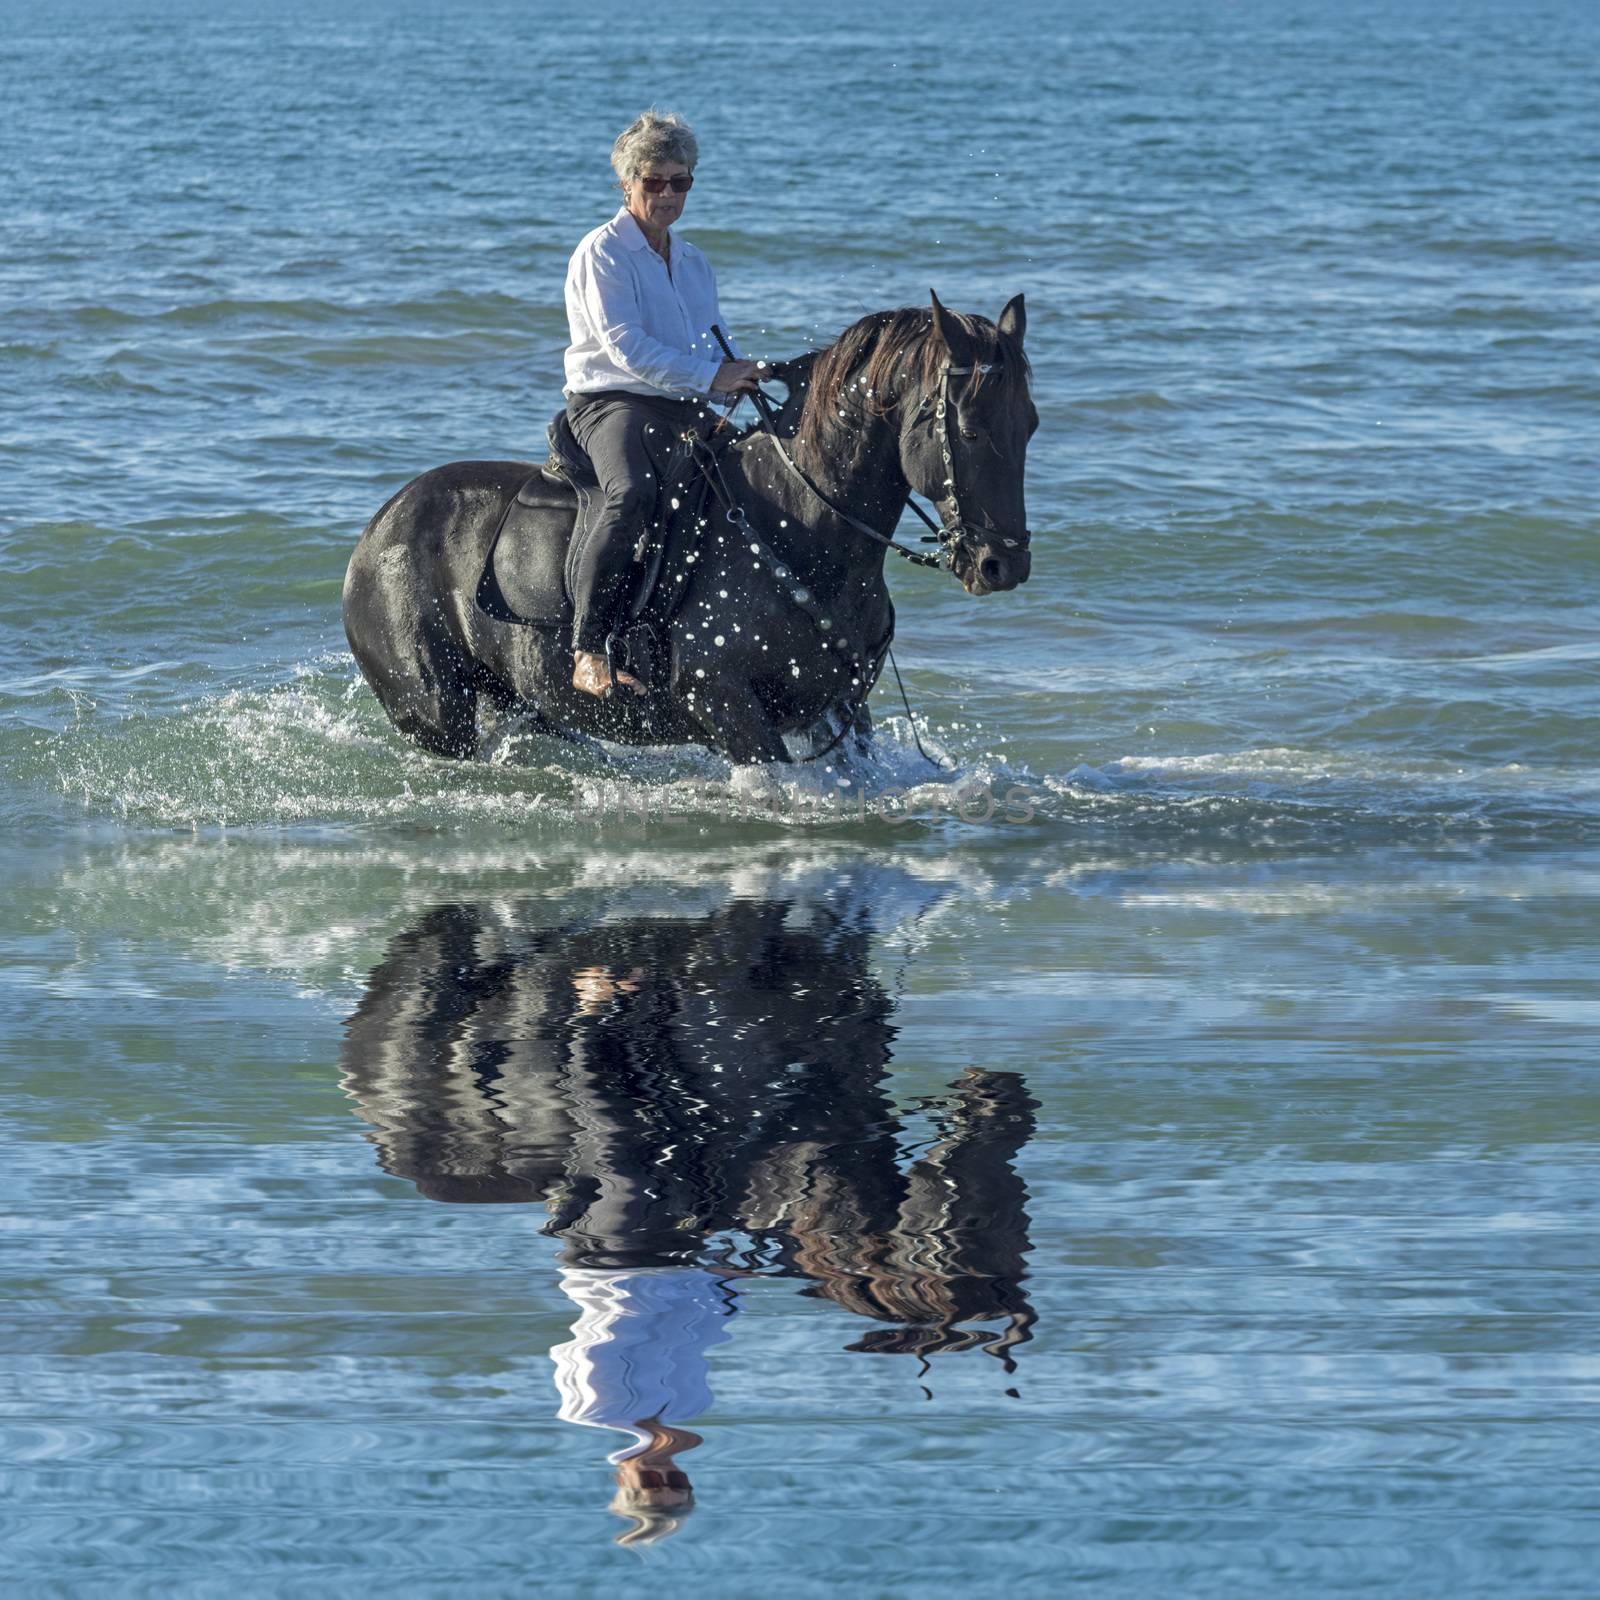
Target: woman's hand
740, 377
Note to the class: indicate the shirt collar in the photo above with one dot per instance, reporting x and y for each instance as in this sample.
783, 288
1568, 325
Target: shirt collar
628, 230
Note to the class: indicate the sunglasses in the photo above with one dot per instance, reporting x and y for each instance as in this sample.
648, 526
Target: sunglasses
681, 184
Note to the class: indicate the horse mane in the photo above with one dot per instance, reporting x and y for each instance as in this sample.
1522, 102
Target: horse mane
888, 351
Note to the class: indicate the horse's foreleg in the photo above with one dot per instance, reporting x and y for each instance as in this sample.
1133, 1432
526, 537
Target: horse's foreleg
736, 724
860, 736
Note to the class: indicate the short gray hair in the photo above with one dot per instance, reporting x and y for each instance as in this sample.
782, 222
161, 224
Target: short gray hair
654, 136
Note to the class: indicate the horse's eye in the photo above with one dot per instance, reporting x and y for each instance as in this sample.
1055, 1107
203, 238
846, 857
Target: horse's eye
971, 435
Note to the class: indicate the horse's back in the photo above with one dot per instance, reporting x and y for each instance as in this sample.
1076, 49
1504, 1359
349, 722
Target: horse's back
410, 594
430, 541
525, 576
444, 511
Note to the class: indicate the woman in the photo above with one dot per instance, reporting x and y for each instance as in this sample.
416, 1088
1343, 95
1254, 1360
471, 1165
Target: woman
641, 365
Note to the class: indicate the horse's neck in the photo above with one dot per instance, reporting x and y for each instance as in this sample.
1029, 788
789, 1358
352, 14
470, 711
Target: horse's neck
872, 488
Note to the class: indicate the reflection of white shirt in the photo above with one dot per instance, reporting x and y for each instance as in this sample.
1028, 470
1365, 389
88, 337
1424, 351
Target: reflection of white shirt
636, 326
638, 1348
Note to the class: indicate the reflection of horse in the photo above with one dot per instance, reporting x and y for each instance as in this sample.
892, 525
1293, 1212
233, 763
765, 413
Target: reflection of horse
775, 631
659, 1082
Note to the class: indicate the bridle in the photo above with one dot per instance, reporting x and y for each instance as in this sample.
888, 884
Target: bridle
955, 528
950, 530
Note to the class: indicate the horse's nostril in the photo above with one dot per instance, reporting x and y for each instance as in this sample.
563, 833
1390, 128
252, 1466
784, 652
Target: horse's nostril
990, 569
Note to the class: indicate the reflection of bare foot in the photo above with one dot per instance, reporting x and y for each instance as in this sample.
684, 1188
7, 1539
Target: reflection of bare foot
595, 988
591, 673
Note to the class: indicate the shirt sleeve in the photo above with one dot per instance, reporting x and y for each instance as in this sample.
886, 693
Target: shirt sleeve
612, 306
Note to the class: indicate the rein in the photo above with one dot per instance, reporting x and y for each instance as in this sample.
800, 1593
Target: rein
917, 557
946, 533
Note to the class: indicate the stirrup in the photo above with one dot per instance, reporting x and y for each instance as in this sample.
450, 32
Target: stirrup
633, 649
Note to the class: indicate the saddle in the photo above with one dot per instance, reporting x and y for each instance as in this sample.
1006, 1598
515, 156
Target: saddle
527, 578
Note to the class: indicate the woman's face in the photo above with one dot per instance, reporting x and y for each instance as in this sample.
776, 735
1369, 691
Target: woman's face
658, 210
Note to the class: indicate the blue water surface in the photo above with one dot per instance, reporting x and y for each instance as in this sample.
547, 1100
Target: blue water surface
1153, 1155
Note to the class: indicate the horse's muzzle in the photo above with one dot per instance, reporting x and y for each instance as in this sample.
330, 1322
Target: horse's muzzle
994, 567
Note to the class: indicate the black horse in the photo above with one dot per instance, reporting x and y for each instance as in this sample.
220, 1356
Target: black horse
778, 632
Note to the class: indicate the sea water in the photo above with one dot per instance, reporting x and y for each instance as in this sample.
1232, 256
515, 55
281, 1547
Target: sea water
1153, 1153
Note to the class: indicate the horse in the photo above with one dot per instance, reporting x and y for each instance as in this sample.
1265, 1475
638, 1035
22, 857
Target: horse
781, 621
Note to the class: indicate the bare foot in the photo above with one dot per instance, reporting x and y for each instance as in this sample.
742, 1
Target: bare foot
591, 673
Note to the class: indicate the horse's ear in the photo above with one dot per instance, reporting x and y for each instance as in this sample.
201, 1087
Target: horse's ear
955, 337
1013, 321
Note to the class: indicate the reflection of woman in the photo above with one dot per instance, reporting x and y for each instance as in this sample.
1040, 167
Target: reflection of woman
636, 1363
660, 1081
643, 360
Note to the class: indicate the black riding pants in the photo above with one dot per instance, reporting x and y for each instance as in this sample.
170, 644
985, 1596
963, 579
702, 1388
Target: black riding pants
629, 439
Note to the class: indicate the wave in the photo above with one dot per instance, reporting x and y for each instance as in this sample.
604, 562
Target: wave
316, 751
450, 311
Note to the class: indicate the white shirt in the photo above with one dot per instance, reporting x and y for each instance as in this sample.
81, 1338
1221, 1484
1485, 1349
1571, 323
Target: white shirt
638, 1348
635, 325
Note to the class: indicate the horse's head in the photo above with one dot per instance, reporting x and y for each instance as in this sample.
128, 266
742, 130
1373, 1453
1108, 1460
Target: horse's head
963, 440
949, 392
